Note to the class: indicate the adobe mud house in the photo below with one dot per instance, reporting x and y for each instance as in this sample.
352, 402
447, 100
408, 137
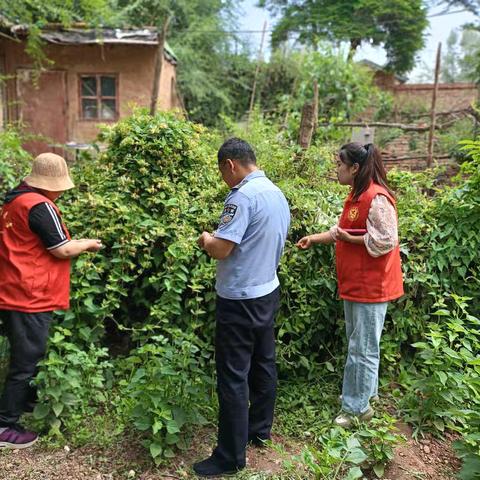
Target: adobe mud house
95, 77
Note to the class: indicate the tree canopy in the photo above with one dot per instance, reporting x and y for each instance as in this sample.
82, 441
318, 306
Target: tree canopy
398, 25
470, 5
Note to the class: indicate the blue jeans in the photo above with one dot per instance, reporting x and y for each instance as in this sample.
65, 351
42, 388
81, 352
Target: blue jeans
363, 325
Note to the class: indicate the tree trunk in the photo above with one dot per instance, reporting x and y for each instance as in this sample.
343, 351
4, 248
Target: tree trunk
354, 44
306, 125
158, 67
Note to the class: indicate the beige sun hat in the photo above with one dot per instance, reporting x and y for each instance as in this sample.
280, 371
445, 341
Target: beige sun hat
49, 172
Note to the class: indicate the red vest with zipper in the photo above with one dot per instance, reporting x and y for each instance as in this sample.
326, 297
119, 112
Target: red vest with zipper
32, 280
361, 277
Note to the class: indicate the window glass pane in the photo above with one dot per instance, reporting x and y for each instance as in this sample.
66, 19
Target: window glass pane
89, 86
108, 109
108, 87
89, 108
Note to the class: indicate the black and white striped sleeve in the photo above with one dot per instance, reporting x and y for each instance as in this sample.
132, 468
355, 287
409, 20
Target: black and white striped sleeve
45, 222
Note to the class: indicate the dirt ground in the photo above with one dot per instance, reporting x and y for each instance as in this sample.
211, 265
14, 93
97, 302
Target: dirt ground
427, 459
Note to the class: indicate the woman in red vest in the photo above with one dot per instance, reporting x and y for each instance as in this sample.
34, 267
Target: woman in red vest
35, 253
368, 271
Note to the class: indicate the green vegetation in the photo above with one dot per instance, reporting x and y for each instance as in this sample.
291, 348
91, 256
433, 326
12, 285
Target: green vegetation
134, 354
135, 350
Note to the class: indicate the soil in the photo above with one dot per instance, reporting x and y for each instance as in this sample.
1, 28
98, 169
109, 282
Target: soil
426, 459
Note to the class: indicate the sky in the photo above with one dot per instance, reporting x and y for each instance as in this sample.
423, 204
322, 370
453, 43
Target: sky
438, 31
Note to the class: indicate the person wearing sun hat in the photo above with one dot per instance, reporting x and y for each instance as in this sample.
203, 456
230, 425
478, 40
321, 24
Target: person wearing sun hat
35, 253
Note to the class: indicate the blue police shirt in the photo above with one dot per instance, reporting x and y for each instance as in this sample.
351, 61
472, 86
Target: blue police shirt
256, 217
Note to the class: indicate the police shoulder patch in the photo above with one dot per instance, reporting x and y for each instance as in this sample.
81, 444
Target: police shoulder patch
228, 213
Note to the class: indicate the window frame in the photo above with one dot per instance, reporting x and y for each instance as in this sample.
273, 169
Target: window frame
98, 97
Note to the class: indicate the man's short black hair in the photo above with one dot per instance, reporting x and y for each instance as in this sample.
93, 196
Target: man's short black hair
237, 149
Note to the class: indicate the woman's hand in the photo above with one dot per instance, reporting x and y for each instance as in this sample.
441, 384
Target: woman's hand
304, 243
346, 237
343, 235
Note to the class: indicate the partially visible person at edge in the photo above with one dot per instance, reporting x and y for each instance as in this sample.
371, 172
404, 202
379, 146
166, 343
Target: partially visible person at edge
248, 244
368, 271
35, 253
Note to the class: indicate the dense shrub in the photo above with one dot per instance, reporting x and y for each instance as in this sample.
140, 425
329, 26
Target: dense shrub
14, 160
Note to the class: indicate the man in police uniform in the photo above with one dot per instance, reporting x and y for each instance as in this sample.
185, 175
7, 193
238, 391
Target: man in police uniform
247, 244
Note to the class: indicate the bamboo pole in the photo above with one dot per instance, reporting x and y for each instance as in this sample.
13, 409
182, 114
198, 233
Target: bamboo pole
257, 70
158, 66
315, 105
434, 107
401, 126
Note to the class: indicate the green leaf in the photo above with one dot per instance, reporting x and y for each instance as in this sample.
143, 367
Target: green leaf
356, 456
354, 473
438, 422
442, 376
169, 453
353, 442
41, 411
172, 426
171, 439
57, 408
329, 366
379, 469
155, 449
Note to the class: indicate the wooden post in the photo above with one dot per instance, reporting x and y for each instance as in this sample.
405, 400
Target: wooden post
257, 70
434, 106
158, 66
306, 125
315, 105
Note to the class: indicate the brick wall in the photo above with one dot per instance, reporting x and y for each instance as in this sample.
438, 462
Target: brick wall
418, 97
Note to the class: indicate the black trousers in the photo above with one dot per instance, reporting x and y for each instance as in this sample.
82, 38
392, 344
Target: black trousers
27, 334
246, 373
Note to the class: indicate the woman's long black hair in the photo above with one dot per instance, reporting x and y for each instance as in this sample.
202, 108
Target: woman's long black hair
370, 164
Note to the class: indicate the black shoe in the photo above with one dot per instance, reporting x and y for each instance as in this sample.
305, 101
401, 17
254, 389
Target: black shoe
258, 442
212, 467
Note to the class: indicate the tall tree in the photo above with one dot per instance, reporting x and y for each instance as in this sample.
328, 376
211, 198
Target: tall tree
450, 68
398, 25
461, 61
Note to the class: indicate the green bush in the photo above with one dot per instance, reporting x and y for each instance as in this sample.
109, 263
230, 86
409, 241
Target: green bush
14, 160
148, 297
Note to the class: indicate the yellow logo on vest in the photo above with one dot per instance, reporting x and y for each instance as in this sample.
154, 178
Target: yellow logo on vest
353, 214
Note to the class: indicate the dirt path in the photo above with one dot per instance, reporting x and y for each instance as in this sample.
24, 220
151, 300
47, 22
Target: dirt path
427, 459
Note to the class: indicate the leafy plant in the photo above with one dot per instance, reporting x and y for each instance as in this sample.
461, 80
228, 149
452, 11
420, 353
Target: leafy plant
14, 160
346, 455
71, 381
166, 388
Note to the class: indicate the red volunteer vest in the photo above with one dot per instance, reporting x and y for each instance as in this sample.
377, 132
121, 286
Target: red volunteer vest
361, 277
31, 279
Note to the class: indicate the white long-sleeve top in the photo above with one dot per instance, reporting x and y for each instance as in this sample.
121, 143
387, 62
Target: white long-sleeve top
382, 227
